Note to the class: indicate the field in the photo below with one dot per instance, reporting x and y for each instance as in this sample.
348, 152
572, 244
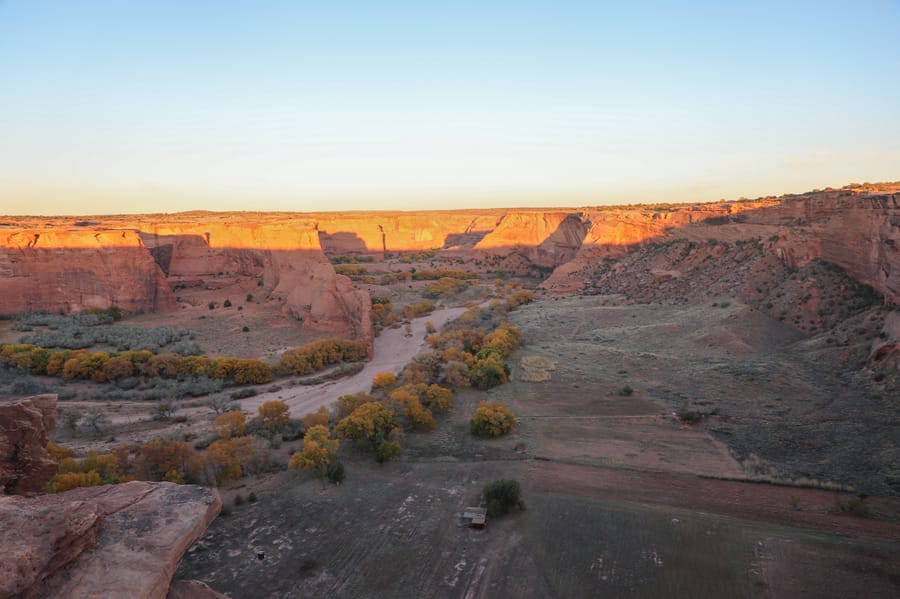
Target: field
623, 496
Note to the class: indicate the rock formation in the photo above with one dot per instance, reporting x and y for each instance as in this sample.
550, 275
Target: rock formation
545, 239
109, 541
369, 232
25, 465
72, 270
135, 266
855, 228
859, 230
286, 256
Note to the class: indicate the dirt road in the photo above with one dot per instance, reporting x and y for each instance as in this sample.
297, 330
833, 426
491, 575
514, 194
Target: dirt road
393, 350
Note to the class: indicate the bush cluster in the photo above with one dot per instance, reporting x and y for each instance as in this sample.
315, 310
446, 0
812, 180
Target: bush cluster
445, 287
420, 256
164, 460
233, 451
350, 270
420, 309
434, 275
383, 315
80, 331
114, 366
319, 354
467, 355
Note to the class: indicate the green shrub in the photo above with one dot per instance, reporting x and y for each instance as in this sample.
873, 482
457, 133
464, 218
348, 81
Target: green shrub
488, 372
335, 472
501, 496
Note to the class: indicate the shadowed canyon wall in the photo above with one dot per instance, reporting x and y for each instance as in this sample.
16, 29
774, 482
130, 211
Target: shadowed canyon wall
136, 266
286, 256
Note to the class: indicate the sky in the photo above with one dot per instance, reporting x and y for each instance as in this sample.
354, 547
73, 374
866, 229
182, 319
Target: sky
134, 106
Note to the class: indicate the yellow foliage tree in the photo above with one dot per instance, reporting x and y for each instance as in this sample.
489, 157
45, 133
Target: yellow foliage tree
319, 418
384, 380
229, 457
371, 426
274, 415
155, 459
346, 404
317, 453
230, 424
72, 480
59, 452
492, 419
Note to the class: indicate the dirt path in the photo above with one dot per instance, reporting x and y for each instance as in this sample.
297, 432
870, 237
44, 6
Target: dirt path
393, 350
788, 506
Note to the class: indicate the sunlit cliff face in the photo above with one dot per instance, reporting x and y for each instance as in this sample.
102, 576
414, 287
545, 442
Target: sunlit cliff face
125, 260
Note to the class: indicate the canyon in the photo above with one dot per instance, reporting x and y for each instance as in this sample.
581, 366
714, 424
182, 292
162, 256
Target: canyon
747, 348
136, 263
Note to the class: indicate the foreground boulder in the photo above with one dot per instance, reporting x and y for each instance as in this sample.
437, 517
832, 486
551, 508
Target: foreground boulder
111, 541
25, 465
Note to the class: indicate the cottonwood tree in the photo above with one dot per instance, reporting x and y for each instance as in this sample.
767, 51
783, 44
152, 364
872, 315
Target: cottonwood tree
492, 419
230, 424
373, 428
318, 452
274, 415
318, 418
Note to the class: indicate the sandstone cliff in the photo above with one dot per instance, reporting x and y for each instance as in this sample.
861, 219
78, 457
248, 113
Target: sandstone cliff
134, 267
859, 230
367, 232
286, 256
856, 228
545, 239
73, 270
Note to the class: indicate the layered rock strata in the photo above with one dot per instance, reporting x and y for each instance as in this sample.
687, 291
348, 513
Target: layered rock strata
74, 270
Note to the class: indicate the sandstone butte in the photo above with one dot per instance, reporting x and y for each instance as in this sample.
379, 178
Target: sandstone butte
134, 262
111, 541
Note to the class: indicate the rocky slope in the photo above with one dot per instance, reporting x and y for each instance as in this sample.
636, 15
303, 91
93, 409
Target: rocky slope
110, 541
856, 229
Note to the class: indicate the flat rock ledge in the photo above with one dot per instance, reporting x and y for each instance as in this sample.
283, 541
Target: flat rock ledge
114, 541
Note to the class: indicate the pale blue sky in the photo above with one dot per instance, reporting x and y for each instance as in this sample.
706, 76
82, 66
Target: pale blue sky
161, 106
